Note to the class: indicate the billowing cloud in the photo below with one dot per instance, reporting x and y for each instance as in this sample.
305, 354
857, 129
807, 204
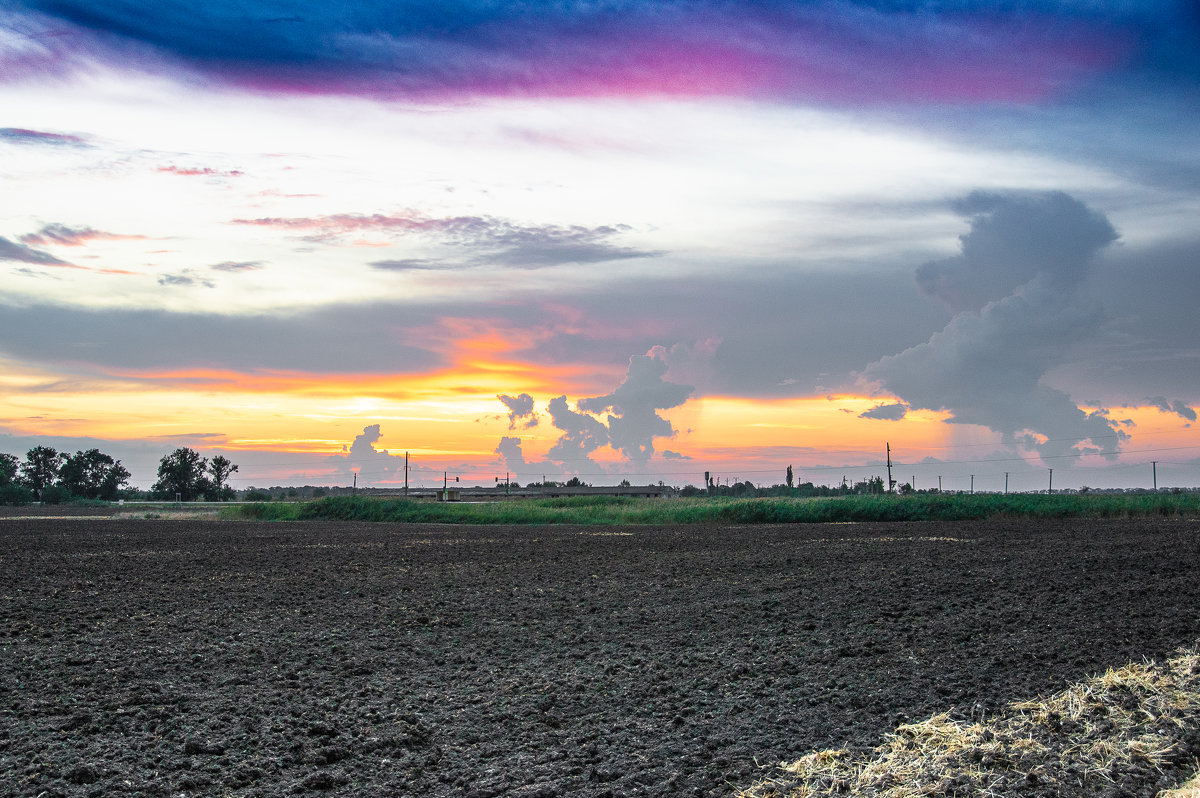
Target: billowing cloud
1013, 239
987, 366
633, 422
1178, 407
841, 51
520, 408
890, 412
581, 436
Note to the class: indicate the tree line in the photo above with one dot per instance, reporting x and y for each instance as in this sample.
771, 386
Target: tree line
53, 477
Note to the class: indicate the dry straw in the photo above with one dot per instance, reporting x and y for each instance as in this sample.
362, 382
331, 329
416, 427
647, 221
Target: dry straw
1131, 731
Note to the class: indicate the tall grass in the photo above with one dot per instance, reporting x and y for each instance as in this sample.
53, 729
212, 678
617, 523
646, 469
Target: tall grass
626, 510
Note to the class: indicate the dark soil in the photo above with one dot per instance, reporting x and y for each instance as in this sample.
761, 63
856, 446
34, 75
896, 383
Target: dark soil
212, 658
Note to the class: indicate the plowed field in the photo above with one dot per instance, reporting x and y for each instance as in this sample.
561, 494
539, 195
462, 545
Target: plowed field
235, 658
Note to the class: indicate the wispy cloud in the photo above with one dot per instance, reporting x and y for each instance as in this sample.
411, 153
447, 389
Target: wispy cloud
11, 250
66, 236
19, 135
193, 171
237, 266
488, 240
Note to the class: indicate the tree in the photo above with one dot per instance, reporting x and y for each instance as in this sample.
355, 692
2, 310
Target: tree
790, 476
183, 473
9, 468
220, 468
92, 475
40, 469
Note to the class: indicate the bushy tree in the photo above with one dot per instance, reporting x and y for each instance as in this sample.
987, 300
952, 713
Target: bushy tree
183, 472
220, 467
92, 475
40, 469
11, 489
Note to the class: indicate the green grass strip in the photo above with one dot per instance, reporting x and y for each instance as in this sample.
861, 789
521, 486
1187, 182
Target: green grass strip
624, 510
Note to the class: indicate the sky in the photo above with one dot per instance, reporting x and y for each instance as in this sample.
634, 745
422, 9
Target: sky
614, 239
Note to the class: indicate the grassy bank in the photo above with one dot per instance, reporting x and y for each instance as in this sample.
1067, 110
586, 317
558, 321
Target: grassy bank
620, 510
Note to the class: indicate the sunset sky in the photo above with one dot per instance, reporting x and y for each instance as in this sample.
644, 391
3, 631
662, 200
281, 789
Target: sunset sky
620, 239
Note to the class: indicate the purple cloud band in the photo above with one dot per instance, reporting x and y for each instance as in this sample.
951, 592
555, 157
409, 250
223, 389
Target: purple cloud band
837, 51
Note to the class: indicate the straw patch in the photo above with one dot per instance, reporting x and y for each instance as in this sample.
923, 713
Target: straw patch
1135, 729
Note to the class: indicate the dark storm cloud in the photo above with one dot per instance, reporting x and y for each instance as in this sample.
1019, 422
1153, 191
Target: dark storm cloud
987, 366
11, 250
890, 412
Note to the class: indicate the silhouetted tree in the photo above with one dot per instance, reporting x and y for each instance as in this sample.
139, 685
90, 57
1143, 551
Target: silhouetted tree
220, 467
92, 475
183, 473
40, 469
789, 476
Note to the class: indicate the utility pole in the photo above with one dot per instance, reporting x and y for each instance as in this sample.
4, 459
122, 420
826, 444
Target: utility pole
972, 484
1051, 490
406, 475
1154, 465
355, 487
939, 483
1005, 483
891, 482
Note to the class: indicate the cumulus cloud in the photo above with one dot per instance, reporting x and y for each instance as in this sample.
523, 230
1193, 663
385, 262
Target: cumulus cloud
370, 464
1178, 407
987, 365
634, 422
1013, 239
520, 408
581, 435
630, 424
892, 412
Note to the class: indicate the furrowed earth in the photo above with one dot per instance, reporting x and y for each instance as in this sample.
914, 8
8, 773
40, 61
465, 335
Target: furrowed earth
238, 658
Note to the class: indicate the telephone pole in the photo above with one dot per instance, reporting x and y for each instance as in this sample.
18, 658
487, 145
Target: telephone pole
1154, 466
406, 475
972, 484
939, 483
891, 482
1005, 483
1051, 489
